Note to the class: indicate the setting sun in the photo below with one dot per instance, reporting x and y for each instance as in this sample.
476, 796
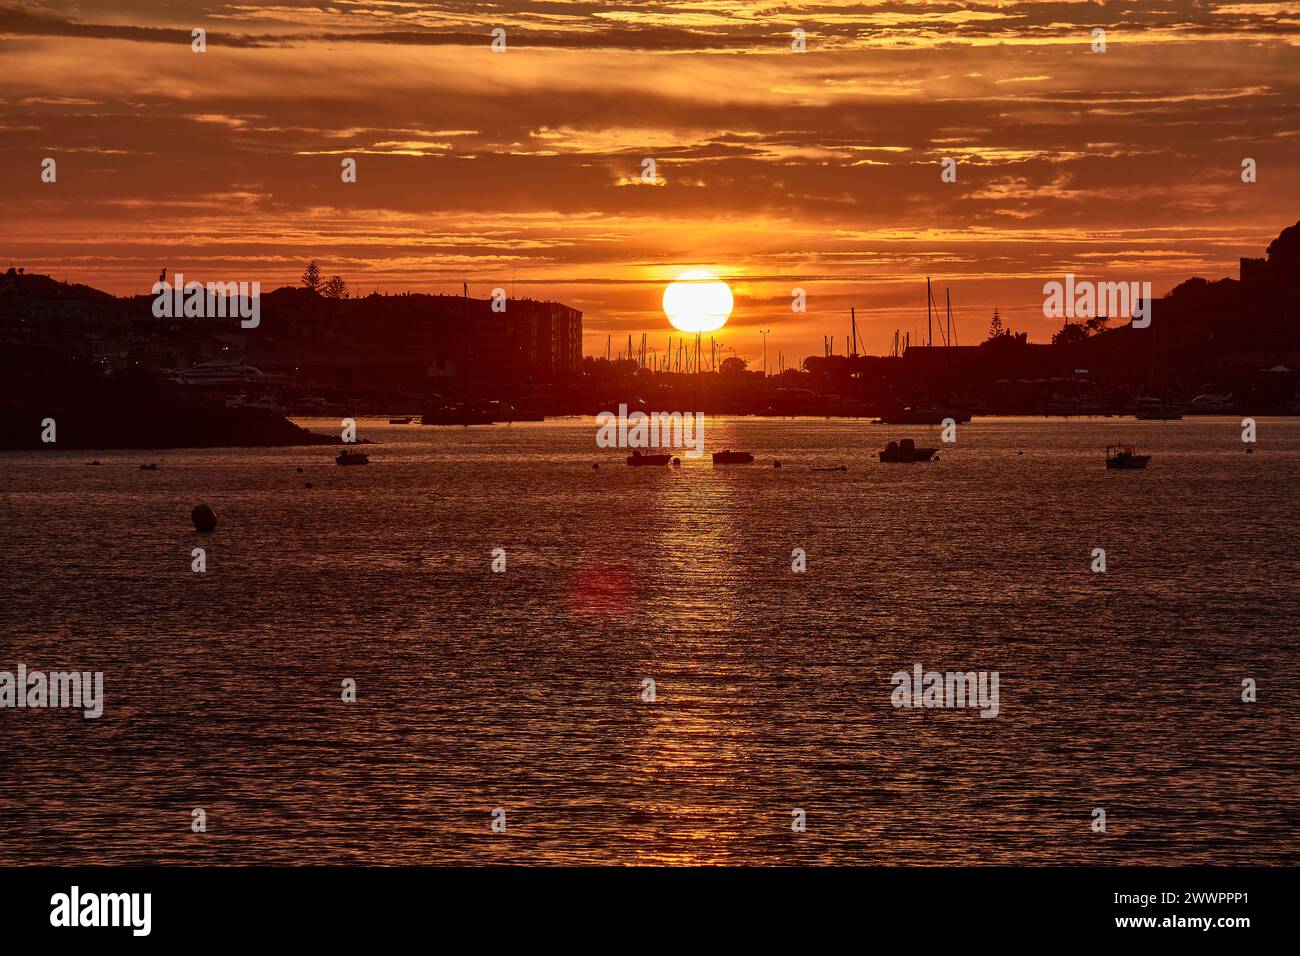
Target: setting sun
697, 301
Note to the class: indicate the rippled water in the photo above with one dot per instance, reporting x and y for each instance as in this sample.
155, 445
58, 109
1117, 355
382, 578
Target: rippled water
523, 690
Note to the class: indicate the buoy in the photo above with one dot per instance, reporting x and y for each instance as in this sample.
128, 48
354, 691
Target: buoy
307, 485
300, 471
1250, 451
203, 518
595, 467
677, 463
777, 463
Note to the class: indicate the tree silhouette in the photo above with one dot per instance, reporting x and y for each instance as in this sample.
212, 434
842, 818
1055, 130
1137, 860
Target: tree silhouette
995, 327
1285, 249
311, 278
1097, 324
1284, 256
335, 288
1070, 334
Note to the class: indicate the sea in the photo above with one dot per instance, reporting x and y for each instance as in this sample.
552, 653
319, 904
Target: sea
501, 644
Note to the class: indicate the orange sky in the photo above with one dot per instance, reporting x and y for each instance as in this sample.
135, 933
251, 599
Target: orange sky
777, 170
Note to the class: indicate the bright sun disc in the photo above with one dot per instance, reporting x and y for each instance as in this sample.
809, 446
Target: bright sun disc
697, 301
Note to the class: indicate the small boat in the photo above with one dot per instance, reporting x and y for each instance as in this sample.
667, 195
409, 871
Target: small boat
346, 457
836, 468
906, 451
636, 459
400, 421
729, 457
1122, 456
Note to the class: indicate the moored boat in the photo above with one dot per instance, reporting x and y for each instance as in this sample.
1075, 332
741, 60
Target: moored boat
637, 460
1123, 456
906, 451
346, 457
729, 457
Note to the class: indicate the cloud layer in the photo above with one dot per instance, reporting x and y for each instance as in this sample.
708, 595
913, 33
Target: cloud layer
818, 170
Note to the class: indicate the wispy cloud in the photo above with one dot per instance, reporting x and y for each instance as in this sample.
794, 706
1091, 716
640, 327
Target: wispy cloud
775, 167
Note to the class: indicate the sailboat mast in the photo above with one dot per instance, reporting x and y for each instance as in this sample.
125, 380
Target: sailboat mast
947, 344
464, 325
929, 327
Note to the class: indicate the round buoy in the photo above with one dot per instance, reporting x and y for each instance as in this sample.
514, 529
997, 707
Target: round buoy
203, 518
1249, 450
300, 471
677, 463
307, 485
777, 463
595, 467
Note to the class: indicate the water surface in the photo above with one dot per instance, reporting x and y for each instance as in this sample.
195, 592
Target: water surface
523, 690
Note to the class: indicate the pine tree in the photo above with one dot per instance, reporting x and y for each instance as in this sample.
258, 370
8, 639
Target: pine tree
995, 327
311, 278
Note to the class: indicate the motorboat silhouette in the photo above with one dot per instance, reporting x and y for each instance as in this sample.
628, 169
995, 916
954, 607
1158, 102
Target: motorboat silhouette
906, 451
636, 459
729, 457
1122, 456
